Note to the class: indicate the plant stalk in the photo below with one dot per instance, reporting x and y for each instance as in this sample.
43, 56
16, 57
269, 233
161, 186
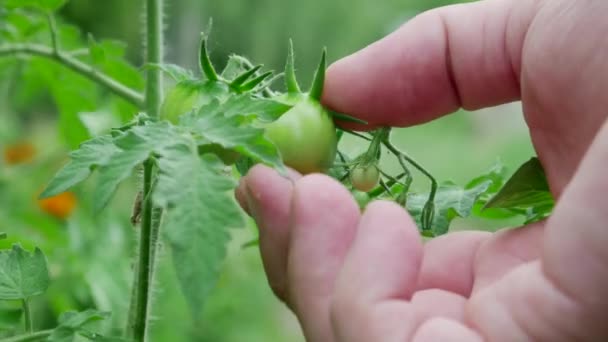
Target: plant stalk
68, 60
27, 315
37, 336
138, 320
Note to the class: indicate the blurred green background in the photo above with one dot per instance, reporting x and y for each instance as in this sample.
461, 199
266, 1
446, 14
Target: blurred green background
89, 254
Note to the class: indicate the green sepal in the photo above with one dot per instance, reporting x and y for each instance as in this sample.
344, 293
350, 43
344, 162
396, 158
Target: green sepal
316, 89
346, 118
240, 79
205, 64
291, 83
254, 82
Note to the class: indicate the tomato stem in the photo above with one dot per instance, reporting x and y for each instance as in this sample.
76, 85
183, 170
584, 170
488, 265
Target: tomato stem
144, 268
402, 157
53, 30
359, 135
29, 337
27, 316
68, 60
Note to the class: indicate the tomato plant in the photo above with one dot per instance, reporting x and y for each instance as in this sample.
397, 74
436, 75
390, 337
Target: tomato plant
189, 148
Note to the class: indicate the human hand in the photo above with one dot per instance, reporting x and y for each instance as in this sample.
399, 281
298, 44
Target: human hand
367, 277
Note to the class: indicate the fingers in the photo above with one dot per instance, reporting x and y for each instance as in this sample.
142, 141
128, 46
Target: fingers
449, 262
457, 56
382, 266
374, 297
562, 295
267, 196
324, 222
575, 253
442, 329
306, 228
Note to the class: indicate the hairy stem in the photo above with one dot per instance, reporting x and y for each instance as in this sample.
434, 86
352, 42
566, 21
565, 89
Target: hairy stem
138, 319
27, 315
68, 60
402, 156
37, 336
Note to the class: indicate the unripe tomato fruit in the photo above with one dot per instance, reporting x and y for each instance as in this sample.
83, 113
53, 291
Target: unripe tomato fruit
365, 177
179, 100
188, 95
305, 136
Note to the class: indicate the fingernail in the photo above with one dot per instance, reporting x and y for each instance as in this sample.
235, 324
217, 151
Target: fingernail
252, 203
240, 194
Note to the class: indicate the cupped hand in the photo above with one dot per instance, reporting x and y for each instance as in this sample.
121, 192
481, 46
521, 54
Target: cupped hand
367, 277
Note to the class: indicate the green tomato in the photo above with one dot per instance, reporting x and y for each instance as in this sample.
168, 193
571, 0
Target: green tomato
188, 95
179, 100
228, 156
365, 177
305, 136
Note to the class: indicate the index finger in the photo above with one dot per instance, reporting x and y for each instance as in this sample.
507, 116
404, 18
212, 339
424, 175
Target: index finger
457, 56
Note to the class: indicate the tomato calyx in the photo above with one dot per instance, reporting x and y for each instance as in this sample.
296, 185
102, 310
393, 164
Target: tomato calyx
305, 135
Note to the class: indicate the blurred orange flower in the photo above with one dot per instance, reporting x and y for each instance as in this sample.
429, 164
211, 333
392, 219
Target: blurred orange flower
19, 153
60, 206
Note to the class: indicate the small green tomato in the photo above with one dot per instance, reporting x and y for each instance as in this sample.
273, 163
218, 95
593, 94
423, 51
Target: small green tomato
365, 177
305, 136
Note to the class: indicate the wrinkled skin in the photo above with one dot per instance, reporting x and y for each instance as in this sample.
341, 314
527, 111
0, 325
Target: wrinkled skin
367, 277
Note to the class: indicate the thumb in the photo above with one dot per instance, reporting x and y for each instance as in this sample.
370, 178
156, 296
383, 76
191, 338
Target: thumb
457, 56
575, 252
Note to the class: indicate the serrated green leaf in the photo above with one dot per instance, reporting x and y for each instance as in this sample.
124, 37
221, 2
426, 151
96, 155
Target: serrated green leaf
451, 201
176, 72
22, 274
73, 323
527, 187
97, 52
197, 194
51, 5
133, 148
91, 154
21, 25
235, 66
244, 164
229, 124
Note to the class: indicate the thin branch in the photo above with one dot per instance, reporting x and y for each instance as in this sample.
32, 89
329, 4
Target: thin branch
150, 224
53, 31
401, 154
359, 135
37, 336
74, 64
27, 316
